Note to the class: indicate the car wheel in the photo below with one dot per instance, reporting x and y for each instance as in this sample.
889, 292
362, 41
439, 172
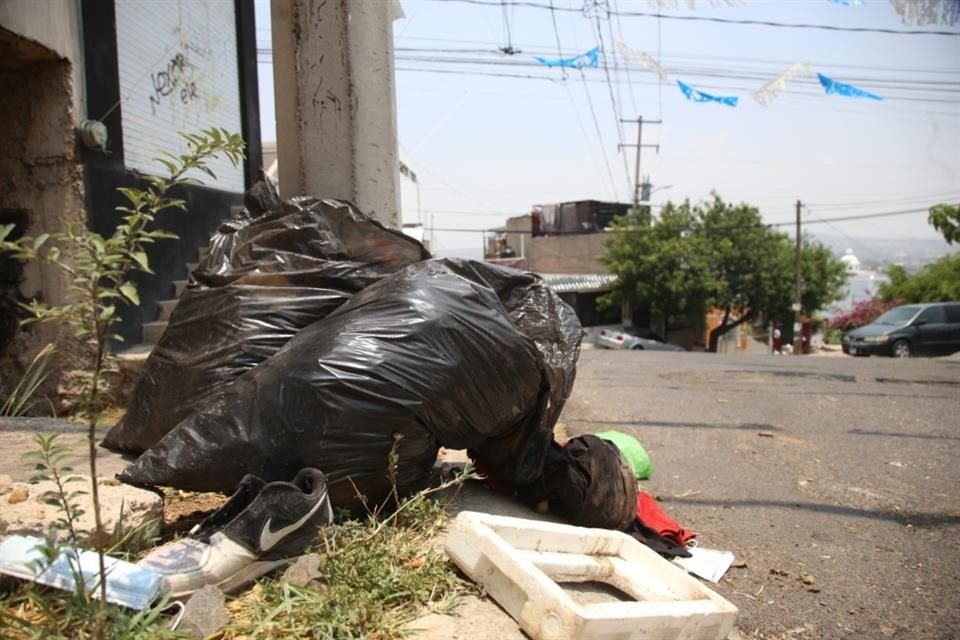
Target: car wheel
901, 349
636, 347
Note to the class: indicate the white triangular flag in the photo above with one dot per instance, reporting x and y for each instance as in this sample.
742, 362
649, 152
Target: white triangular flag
765, 94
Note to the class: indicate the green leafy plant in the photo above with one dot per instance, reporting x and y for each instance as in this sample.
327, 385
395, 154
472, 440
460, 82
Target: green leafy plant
946, 220
48, 460
21, 397
98, 272
379, 574
34, 611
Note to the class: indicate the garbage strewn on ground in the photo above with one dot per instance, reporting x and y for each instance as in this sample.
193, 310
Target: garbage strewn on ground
521, 563
257, 530
319, 359
128, 584
268, 273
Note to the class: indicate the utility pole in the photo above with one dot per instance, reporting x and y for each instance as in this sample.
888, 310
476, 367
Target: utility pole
797, 327
333, 76
639, 146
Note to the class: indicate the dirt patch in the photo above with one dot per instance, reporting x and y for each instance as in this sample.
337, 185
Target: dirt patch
183, 510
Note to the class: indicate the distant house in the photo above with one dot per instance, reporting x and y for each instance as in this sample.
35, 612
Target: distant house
564, 243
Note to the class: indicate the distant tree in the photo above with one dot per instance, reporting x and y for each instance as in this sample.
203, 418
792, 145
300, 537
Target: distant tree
937, 282
664, 266
946, 220
717, 255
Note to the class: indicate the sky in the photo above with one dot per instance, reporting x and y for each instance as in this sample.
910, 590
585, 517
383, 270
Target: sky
486, 147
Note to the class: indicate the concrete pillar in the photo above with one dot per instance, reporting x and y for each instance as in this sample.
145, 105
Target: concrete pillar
335, 102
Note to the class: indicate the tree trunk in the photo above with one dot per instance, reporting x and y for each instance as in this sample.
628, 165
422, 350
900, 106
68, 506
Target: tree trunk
723, 328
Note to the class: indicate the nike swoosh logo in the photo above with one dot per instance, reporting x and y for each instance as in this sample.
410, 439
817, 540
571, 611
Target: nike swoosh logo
269, 539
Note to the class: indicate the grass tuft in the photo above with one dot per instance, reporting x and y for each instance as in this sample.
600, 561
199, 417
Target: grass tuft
380, 574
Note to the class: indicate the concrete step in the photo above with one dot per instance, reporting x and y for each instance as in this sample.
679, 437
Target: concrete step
178, 287
166, 308
191, 267
152, 331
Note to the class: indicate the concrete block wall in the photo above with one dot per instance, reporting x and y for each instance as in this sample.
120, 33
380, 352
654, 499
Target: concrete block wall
567, 254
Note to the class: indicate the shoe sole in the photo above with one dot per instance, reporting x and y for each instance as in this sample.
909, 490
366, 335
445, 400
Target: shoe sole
245, 576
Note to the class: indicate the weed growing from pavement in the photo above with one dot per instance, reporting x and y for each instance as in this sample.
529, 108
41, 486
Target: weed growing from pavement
29, 610
379, 574
20, 399
98, 271
32, 611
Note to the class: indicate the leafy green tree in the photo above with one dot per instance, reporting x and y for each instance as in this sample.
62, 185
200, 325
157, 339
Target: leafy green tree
946, 220
717, 255
937, 282
663, 266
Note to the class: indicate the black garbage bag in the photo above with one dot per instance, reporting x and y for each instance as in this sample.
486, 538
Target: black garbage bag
274, 269
588, 482
429, 355
538, 313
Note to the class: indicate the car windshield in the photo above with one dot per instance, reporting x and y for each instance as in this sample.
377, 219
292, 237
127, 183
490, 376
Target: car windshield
642, 332
897, 316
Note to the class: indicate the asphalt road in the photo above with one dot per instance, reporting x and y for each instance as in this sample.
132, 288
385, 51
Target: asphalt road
834, 480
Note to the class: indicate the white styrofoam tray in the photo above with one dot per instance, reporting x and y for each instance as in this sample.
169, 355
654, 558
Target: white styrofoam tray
521, 562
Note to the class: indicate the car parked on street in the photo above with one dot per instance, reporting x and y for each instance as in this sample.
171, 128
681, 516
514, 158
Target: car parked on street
633, 338
907, 330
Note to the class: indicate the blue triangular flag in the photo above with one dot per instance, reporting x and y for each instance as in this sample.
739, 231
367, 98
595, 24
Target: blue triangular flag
700, 96
589, 59
844, 89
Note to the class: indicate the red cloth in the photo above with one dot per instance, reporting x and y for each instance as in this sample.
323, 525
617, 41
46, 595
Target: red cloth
494, 483
652, 516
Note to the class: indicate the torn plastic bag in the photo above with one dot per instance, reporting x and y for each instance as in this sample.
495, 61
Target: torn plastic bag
429, 354
270, 272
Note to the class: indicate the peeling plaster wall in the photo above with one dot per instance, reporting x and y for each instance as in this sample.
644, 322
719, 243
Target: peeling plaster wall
55, 25
39, 169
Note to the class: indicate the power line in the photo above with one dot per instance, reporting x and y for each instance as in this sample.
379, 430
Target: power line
596, 124
530, 76
761, 23
556, 34
583, 130
943, 196
613, 101
633, 97
865, 216
778, 62
820, 220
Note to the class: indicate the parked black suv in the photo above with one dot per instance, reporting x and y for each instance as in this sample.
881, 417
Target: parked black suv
929, 329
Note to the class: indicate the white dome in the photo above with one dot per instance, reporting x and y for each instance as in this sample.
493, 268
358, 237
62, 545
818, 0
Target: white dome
852, 262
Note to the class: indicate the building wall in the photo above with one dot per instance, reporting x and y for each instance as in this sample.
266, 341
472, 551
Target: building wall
55, 25
206, 207
567, 254
41, 178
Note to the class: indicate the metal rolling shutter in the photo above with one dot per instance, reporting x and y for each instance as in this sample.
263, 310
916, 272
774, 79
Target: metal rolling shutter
178, 73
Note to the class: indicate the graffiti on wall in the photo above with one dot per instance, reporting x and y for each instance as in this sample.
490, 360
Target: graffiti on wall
169, 80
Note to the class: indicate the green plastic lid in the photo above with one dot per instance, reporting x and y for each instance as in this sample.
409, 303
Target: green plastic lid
632, 450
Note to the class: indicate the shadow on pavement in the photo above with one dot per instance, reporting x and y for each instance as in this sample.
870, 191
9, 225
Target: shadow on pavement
898, 434
746, 426
914, 518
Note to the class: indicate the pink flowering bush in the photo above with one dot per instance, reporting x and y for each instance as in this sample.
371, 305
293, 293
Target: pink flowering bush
863, 312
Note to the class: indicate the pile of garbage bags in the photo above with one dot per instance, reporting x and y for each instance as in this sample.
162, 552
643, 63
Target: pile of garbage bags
311, 335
